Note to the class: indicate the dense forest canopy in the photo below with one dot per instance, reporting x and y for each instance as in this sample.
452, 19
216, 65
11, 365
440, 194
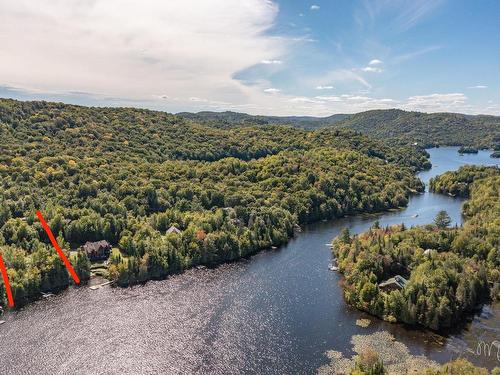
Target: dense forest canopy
449, 270
128, 175
425, 129
232, 119
428, 129
458, 183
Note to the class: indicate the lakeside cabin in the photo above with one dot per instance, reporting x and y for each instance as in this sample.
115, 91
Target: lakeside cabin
394, 283
96, 251
173, 230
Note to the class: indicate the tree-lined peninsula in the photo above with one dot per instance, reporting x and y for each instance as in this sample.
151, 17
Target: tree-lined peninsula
445, 273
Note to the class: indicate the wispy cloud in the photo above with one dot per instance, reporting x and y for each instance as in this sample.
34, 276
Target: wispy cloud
478, 87
375, 62
271, 62
315, 7
272, 90
437, 102
371, 69
405, 14
303, 99
414, 54
337, 76
196, 99
415, 11
320, 87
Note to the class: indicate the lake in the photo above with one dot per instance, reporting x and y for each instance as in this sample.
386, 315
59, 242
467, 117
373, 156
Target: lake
277, 312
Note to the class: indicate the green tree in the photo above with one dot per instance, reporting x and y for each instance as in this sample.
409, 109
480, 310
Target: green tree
82, 266
442, 219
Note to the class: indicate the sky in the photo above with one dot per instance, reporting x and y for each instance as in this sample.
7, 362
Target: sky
281, 57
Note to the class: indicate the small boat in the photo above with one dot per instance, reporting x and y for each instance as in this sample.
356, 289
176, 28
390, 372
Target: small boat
416, 215
332, 267
2, 322
329, 244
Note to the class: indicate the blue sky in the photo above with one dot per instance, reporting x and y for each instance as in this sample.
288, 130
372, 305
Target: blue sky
257, 56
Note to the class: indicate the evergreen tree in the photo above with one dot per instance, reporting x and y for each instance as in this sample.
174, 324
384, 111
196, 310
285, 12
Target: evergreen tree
442, 219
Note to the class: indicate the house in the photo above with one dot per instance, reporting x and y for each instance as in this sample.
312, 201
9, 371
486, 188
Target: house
174, 230
429, 252
99, 250
394, 283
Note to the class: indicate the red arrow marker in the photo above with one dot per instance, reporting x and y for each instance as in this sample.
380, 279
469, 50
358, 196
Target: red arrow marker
58, 249
10, 299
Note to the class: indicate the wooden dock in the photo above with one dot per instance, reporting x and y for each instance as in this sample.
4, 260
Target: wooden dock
99, 286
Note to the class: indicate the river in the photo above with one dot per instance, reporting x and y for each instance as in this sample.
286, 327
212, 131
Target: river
275, 313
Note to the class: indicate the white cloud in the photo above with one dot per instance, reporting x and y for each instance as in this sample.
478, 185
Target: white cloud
375, 62
272, 90
303, 99
478, 87
271, 62
371, 69
123, 49
438, 102
315, 7
176, 54
329, 98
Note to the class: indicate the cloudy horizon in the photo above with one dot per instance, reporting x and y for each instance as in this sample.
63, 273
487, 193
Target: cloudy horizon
257, 56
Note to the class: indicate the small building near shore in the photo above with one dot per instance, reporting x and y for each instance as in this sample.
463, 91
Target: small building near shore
429, 253
173, 230
394, 283
96, 251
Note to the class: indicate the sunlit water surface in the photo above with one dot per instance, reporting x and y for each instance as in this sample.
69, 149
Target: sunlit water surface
275, 313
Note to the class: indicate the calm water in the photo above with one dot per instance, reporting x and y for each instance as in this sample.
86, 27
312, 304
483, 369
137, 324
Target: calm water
275, 313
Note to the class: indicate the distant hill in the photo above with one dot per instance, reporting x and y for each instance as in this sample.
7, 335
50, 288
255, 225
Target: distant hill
426, 129
228, 118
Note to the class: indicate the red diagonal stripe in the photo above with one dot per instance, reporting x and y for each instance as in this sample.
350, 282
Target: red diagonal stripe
10, 299
58, 249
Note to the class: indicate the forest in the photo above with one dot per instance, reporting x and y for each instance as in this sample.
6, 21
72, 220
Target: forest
400, 127
450, 271
128, 175
458, 183
427, 129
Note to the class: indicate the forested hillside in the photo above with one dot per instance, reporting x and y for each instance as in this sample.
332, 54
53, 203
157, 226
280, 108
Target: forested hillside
449, 270
127, 175
425, 129
231, 119
458, 183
